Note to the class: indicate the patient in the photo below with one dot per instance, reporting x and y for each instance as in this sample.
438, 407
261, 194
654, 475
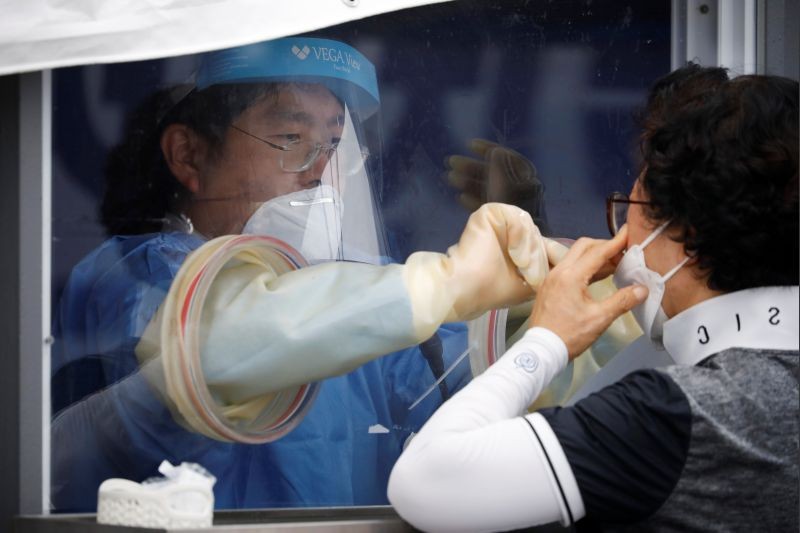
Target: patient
705, 251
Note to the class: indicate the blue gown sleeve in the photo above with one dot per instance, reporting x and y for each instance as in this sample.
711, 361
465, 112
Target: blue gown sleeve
124, 430
105, 412
108, 300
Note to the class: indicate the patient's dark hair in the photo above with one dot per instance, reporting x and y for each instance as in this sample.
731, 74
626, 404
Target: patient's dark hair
140, 189
720, 161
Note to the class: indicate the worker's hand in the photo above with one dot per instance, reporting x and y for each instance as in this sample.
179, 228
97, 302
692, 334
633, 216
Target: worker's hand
499, 261
497, 174
563, 303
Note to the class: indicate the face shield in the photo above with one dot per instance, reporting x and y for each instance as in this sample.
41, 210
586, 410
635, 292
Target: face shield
320, 130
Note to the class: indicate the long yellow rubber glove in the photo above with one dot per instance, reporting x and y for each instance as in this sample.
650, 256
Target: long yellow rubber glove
262, 332
500, 258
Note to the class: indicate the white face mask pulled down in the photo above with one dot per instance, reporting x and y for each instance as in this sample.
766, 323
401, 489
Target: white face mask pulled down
633, 270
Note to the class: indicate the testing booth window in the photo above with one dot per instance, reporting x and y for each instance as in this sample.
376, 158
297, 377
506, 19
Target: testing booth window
530, 103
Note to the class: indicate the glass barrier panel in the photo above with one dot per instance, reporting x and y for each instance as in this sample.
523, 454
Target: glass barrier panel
229, 229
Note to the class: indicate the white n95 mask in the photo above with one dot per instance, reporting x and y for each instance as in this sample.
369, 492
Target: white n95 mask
309, 220
633, 270
337, 221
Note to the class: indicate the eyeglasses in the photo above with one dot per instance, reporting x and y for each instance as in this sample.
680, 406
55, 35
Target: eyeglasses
617, 205
296, 156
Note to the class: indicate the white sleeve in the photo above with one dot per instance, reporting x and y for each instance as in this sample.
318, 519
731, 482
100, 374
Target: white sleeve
478, 465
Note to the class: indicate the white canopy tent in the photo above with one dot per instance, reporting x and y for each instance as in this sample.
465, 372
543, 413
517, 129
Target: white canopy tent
44, 34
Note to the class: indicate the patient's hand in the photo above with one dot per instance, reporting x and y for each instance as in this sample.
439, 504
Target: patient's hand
564, 304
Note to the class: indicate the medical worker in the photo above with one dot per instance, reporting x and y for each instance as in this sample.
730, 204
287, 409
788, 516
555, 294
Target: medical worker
710, 268
271, 157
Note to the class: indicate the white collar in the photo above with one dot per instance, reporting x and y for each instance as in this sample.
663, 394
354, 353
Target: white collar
763, 318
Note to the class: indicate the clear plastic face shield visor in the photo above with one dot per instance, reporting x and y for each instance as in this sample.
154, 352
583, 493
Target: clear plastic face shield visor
336, 218
319, 128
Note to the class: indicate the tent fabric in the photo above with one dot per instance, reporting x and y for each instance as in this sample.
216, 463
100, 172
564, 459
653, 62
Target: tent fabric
44, 34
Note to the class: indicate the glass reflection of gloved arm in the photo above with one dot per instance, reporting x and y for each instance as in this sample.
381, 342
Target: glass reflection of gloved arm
263, 333
95, 438
497, 174
477, 465
622, 331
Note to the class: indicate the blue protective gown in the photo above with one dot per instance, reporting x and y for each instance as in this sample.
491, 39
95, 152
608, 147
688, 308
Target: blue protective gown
109, 422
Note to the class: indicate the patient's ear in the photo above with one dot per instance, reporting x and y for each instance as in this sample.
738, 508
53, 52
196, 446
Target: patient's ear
184, 152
